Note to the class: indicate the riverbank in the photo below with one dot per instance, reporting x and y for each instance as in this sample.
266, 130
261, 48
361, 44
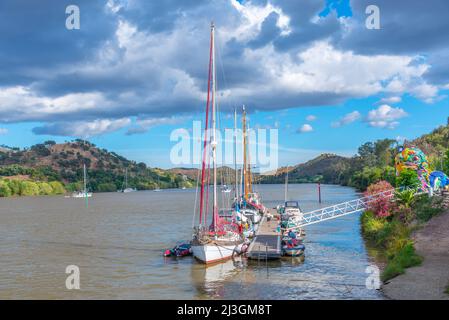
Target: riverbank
429, 280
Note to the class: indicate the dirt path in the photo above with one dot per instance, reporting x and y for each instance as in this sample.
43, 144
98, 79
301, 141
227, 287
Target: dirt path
429, 280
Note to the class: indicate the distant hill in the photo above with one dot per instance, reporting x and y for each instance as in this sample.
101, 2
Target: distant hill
64, 163
324, 168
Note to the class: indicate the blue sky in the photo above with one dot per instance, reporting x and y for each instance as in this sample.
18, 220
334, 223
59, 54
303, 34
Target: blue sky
136, 71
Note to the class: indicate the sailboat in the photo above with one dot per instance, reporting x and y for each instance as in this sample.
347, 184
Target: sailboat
84, 193
126, 189
157, 186
216, 241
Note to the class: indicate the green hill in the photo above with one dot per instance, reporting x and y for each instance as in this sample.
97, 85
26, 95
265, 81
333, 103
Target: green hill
63, 163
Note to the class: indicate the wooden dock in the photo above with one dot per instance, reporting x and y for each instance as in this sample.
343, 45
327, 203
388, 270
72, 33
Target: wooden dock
267, 242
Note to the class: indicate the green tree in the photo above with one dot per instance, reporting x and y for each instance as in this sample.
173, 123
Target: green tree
15, 186
5, 191
408, 178
45, 188
57, 187
29, 188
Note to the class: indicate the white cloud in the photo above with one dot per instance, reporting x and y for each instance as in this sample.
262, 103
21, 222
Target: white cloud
347, 119
390, 100
3, 131
305, 128
311, 118
385, 117
143, 125
83, 129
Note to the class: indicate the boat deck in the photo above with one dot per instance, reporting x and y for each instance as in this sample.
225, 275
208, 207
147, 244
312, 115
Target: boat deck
267, 243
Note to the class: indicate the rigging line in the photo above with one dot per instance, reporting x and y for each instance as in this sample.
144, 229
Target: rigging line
225, 81
196, 195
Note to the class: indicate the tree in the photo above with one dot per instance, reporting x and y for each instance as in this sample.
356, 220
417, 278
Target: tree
45, 188
29, 188
57, 187
367, 154
382, 150
5, 191
408, 178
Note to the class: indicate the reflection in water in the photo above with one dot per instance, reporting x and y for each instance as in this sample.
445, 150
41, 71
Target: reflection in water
119, 240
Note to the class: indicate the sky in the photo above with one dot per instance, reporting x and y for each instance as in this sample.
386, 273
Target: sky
137, 70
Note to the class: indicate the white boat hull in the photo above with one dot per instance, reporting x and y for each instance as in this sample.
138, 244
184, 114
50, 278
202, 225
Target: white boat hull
211, 253
82, 195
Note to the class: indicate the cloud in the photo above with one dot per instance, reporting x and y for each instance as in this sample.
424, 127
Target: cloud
347, 119
81, 129
390, 100
311, 118
305, 128
148, 59
143, 125
385, 117
3, 131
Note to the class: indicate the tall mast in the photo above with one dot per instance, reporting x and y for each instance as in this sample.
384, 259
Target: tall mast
85, 178
235, 156
126, 178
245, 189
214, 128
249, 174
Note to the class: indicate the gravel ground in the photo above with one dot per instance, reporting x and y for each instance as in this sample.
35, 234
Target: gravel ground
429, 280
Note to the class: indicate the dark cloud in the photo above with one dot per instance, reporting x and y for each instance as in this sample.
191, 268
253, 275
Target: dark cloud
33, 36
163, 69
407, 27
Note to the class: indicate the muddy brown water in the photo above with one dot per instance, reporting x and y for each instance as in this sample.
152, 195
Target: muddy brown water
117, 243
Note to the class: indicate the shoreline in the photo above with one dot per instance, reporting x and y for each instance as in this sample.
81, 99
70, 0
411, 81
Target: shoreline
430, 280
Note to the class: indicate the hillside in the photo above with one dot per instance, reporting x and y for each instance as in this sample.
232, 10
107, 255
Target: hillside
325, 168
374, 162
64, 162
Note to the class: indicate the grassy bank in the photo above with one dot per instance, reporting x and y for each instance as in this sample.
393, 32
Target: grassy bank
14, 187
390, 231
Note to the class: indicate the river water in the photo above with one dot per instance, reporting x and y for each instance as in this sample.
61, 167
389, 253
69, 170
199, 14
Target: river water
117, 243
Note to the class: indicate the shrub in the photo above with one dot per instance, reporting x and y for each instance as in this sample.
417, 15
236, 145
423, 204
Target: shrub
406, 257
45, 188
426, 207
57, 187
29, 188
5, 191
408, 178
15, 186
381, 205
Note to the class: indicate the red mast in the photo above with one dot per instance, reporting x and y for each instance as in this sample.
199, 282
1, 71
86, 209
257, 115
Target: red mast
203, 168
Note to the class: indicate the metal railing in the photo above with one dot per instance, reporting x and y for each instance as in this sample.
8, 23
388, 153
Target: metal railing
345, 208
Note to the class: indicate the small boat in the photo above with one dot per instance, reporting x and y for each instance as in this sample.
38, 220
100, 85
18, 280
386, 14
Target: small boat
84, 193
181, 250
293, 250
183, 188
292, 245
225, 189
126, 189
81, 194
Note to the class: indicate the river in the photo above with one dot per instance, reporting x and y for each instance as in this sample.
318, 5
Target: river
117, 243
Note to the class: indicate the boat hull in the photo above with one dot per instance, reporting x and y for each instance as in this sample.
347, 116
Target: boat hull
213, 253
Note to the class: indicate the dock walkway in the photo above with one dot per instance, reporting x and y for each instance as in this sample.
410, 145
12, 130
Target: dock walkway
267, 242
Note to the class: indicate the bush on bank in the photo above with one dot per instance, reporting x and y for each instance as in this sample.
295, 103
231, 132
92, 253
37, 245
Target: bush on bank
388, 226
29, 188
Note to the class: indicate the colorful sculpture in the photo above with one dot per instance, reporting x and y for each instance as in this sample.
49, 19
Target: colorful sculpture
438, 180
413, 158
